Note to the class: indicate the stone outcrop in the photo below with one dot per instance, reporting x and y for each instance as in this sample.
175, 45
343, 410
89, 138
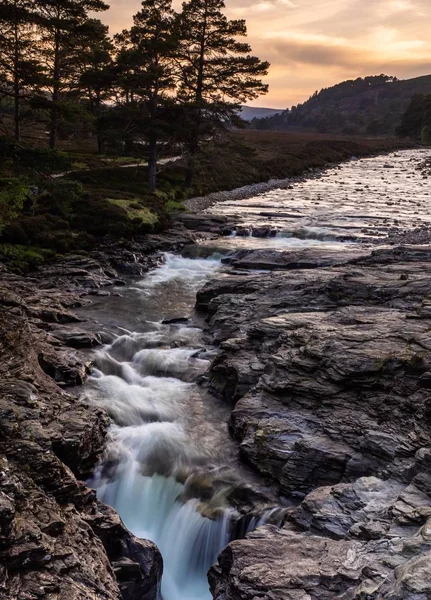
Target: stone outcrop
271, 260
56, 539
328, 373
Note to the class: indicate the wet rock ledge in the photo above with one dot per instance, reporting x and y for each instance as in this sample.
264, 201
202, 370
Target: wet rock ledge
56, 540
328, 370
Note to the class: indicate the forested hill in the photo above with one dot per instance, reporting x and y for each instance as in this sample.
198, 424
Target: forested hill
373, 105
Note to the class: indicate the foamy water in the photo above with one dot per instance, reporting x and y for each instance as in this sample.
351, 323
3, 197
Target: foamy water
166, 469
158, 463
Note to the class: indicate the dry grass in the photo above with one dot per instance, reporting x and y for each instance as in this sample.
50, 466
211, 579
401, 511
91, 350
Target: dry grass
272, 144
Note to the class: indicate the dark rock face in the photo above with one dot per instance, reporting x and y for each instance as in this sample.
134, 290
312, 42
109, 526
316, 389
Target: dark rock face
202, 222
284, 564
77, 338
328, 371
137, 564
56, 539
271, 260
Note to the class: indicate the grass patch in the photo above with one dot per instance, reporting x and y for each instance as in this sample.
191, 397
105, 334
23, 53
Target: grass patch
79, 165
175, 206
119, 160
24, 258
135, 210
86, 161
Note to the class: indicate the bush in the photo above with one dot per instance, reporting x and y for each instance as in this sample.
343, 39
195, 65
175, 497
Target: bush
26, 159
23, 258
45, 231
13, 193
59, 198
42, 160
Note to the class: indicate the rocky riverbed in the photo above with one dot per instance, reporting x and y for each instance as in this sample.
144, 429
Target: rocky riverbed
327, 371
317, 326
325, 360
56, 539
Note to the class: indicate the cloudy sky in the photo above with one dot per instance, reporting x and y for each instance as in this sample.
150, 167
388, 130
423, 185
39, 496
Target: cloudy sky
316, 43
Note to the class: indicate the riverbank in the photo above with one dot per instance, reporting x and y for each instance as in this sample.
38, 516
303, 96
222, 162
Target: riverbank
256, 157
109, 204
324, 360
326, 370
51, 441
323, 365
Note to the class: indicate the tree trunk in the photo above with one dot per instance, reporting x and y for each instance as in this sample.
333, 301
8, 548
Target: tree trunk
152, 164
190, 170
95, 104
100, 144
152, 138
55, 94
54, 122
17, 117
16, 98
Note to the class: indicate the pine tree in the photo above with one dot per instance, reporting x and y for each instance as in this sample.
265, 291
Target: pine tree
19, 70
217, 71
96, 72
146, 66
61, 22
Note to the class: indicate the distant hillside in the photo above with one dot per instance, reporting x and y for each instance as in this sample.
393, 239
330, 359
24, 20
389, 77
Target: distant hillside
250, 112
373, 105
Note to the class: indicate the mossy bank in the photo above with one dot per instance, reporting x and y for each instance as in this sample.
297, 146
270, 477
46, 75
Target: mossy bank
52, 204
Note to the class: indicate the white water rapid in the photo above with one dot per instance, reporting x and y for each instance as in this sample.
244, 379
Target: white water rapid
163, 470
171, 469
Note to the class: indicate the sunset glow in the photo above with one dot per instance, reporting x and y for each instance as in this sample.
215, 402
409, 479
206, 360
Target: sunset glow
316, 44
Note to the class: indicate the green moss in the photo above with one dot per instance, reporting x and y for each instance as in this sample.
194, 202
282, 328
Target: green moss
85, 161
13, 192
135, 210
119, 160
174, 206
79, 165
24, 258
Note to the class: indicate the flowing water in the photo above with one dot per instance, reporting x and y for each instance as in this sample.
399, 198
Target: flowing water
171, 469
358, 201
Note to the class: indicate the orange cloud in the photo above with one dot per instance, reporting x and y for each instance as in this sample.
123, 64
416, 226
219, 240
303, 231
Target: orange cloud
316, 44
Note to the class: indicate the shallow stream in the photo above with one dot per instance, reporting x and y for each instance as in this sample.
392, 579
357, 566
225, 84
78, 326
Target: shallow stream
171, 468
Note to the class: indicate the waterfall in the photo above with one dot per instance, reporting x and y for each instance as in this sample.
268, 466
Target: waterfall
163, 469
189, 542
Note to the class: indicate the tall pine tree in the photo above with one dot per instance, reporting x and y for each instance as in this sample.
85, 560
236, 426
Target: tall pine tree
217, 72
96, 72
146, 61
61, 22
20, 71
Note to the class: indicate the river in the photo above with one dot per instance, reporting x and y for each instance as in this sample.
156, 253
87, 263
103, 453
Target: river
171, 469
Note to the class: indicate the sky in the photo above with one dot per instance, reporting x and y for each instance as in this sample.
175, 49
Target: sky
313, 44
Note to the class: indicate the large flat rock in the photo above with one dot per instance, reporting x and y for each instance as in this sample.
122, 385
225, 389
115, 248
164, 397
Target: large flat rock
312, 258
328, 372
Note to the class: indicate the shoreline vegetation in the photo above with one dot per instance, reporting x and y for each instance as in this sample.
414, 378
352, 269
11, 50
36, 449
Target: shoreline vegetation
84, 104
99, 201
